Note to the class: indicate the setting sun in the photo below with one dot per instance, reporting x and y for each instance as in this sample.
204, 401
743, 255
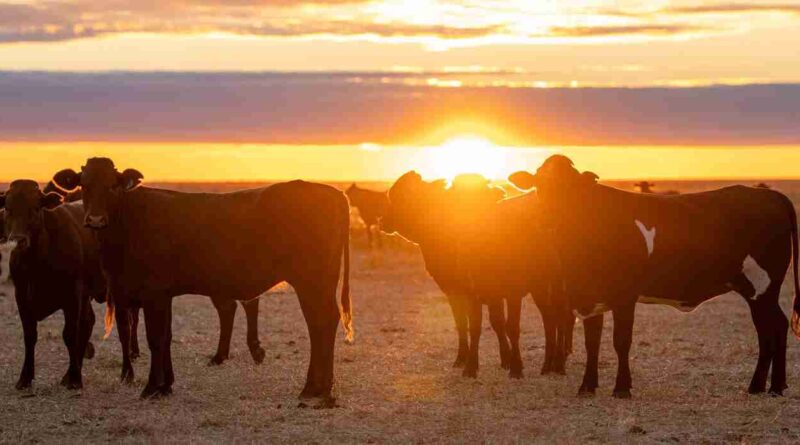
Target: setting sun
465, 154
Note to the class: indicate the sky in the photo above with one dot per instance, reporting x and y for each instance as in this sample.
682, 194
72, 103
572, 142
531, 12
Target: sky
333, 89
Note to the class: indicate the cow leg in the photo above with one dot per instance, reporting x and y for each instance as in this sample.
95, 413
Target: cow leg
322, 317
593, 331
226, 310
623, 336
512, 326
549, 324
458, 307
781, 327
497, 318
87, 325
475, 310
30, 335
158, 317
122, 315
379, 238
134, 332
71, 335
762, 319
251, 311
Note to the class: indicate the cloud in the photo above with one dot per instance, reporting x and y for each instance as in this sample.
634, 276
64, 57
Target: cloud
326, 108
734, 8
82, 19
623, 30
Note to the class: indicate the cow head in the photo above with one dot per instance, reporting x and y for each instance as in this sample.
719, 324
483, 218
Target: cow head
411, 201
102, 187
23, 204
556, 177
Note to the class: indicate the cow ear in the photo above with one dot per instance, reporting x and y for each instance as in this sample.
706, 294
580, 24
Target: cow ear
50, 200
67, 180
589, 177
498, 194
522, 180
130, 179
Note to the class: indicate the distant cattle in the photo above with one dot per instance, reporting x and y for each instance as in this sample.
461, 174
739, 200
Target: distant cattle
647, 187
618, 248
157, 244
371, 207
479, 252
55, 266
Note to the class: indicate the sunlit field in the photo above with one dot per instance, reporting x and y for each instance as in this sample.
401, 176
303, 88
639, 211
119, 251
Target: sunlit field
395, 384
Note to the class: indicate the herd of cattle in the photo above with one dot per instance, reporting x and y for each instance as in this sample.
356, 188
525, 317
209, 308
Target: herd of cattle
579, 248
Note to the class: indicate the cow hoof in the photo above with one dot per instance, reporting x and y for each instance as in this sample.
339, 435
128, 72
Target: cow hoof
470, 372
152, 392
23, 383
460, 362
71, 383
585, 391
216, 360
505, 365
775, 392
515, 374
258, 355
309, 392
126, 377
545, 370
622, 393
89, 353
756, 389
134, 355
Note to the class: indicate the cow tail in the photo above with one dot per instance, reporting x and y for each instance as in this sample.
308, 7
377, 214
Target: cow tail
110, 315
347, 305
795, 254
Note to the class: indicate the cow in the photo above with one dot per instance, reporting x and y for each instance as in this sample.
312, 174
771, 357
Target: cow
461, 231
618, 248
157, 244
128, 320
647, 187
73, 196
54, 266
371, 207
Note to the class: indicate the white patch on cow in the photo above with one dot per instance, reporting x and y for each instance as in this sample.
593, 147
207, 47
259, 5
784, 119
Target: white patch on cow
5, 269
756, 275
649, 236
679, 305
598, 309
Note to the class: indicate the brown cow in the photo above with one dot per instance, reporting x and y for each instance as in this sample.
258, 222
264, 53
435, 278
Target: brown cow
478, 252
371, 207
621, 248
55, 266
156, 245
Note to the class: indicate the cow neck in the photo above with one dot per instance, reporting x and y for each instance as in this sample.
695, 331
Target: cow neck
39, 251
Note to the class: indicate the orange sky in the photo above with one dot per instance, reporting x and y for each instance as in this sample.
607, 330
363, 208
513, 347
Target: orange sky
434, 85
236, 162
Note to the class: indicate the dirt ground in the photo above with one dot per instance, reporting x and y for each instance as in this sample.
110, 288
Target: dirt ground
396, 383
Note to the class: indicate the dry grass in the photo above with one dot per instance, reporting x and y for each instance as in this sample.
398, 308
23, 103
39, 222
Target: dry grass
396, 385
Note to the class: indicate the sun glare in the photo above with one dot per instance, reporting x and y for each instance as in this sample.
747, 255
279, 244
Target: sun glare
465, 154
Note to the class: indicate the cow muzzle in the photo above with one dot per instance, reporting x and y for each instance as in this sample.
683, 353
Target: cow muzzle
96, 221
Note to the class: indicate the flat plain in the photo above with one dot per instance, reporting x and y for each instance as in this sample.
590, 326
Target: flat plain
396, 383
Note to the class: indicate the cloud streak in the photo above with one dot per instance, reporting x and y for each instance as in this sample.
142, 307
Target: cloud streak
326, 108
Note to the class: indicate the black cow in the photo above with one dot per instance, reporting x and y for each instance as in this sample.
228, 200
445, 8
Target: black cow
619, 248
157, 244
371, 207
467, 243
55, 266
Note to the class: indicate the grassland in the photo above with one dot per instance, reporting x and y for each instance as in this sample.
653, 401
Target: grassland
396, 384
